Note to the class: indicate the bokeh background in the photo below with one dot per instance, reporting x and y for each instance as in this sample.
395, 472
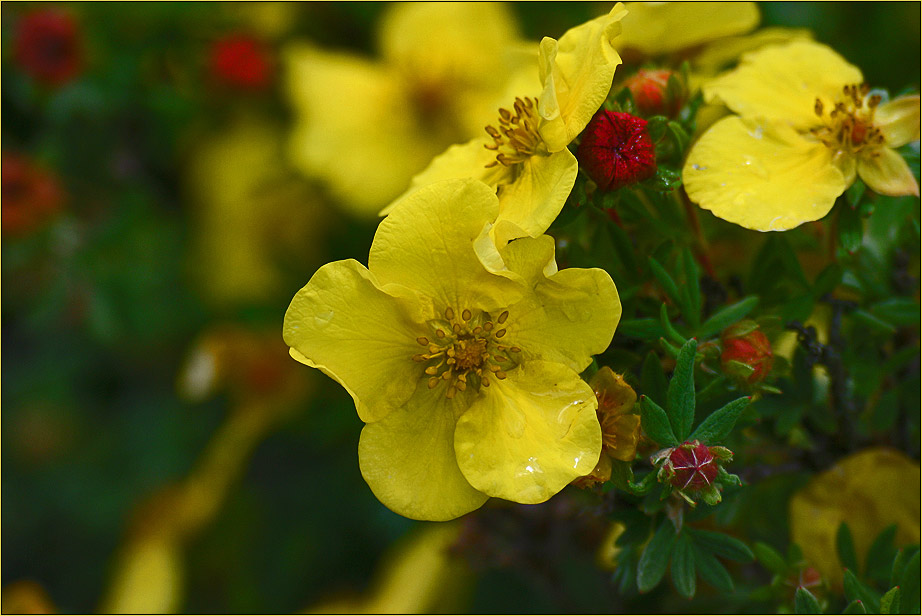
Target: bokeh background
160, 450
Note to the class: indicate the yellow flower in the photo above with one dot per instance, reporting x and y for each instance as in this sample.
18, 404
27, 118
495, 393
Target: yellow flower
365, 127
869, 491
462, 359
806, 126
525, 156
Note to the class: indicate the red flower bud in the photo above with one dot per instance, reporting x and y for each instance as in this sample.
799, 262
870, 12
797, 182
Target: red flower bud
693, 465
31, 195
242, 62
47, 46
649, 89
745, 344
616, 150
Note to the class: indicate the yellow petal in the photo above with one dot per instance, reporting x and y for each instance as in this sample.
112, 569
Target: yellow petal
571, 314
782, 82
868, 490
898, 120
408, 459
717, 55
761, 176
427, 244
526, 437
656, 28
535, 198
887, 173
576, 74
465, 160
354, 128
344, 324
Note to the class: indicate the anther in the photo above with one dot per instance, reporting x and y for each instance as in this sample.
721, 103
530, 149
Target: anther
451, 392
515, 349
456, 328
500, 358
433, 348
502, 318
432, 370
500, 333
500, 375
488, 326
477, 330
446, 375
466, 315
440, 333
461, 385
433, 382
874, 101
422, 340
818, 107
449, 313
494, 368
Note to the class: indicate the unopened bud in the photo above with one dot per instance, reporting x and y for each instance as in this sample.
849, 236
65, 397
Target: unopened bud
650, 90
616, 150
747, 353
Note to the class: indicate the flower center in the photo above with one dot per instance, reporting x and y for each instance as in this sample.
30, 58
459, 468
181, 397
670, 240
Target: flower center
464, 350
849, 124
517, 139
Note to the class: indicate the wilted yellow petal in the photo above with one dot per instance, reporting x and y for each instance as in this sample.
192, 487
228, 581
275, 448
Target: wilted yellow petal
868, 490
408, 459
898, 120
887, 173
514, 444
344, 324
427, 241
351, 116
782, 82
657, 28
535, 198
761, 176
576, 74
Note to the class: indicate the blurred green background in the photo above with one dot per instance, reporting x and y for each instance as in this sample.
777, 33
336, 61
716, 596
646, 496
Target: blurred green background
142, 316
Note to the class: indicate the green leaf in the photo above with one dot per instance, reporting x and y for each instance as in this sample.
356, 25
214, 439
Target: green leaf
717, 426
683, 566
855, 192
890, 602
680, 397
770, 558
727, 316
898, 311
909, 585
642, 329
855, 607
667, 326
845, 547
692, 288
880, 555
655, 558
655, 422
872, 321
827, 280
679, 135
850, 229
805, 602
723, 545
855, 589
666, 283
712, 571
652, 379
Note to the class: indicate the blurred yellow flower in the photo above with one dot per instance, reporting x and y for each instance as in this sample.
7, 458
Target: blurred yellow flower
247, 212
365, 127
806, 126
419, 575
463, 360
869, 491
526, 158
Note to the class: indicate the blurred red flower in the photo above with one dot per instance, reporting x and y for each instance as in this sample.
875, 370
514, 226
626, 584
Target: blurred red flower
48, 46
31, 195
241, 61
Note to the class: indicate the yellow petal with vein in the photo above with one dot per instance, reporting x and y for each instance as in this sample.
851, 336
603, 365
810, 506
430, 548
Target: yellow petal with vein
887, 173
761, 176
526, 437
657, 28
